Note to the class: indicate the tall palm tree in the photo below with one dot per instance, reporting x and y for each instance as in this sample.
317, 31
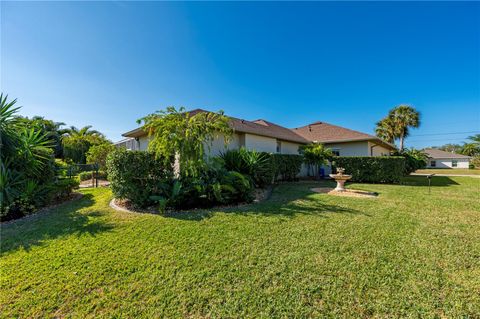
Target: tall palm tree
404, 117
386, 130
475, 138
397, 124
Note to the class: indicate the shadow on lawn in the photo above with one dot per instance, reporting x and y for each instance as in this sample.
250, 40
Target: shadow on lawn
286, 201
60, 221
423, 181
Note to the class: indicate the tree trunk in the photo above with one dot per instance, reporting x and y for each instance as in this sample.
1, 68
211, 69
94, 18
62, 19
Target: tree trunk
401, 142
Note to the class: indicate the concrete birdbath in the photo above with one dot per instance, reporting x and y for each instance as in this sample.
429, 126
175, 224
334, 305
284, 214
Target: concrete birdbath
340, 178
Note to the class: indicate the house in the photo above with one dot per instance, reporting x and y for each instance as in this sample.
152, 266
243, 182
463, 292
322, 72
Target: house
442, 159
260, 135
265, 136
343, 141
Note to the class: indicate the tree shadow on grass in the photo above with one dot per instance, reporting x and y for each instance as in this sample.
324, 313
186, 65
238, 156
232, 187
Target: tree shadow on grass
437, 181
60, 221
287, 201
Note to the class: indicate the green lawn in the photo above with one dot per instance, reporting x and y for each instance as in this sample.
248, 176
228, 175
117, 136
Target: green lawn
299, 254
456, 171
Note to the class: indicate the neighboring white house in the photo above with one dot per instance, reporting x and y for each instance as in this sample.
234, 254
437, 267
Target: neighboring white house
265, 136
442, 159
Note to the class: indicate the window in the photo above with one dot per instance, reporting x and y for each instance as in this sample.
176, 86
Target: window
433, 163
336, 151
454, 163
279, 147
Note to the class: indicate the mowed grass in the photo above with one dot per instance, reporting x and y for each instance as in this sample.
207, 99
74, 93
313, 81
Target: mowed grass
299, 254
446, 171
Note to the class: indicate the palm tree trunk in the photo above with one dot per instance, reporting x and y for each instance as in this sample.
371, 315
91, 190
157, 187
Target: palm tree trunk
401, 142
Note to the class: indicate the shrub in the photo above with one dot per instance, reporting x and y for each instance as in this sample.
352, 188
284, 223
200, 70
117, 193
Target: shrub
62, 188
286, 166
83, 176
385, 169
315, 155
257, 165
97, 154
414, 160
136, 175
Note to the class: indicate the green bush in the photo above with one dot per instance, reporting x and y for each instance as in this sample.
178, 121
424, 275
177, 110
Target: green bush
137, 175
381, 169
286, 166
83, 176
256, 165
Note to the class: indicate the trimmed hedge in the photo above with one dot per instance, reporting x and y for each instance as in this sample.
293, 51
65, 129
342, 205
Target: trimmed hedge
286, 167
83, 176
383, 169
136, 175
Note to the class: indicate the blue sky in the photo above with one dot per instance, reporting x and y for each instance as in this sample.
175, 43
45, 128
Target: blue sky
109, 63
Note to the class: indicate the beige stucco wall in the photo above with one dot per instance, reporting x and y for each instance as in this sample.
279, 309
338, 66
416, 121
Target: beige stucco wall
218, 145
378, 150
351, 148
289, 147
143, 143
260, 143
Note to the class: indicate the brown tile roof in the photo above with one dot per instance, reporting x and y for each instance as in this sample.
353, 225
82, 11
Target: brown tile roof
258, 127
434, 153
322, 132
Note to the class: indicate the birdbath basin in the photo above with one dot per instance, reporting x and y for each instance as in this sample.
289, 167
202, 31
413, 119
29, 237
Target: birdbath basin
340, 178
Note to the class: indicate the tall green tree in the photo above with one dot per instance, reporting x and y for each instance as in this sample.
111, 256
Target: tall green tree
397, 123
470, 149
76, 142
185, 136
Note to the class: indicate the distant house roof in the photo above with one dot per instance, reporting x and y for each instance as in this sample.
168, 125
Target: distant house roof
434, 153
322, 132
258, 127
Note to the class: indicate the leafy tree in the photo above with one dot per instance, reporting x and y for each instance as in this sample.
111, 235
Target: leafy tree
77, 142
315, 155
182, 135
97, 154
397, 124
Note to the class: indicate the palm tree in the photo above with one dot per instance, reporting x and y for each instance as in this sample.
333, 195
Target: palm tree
475, 138
386, 130
76, 142
470, 149
397, 123
85, 131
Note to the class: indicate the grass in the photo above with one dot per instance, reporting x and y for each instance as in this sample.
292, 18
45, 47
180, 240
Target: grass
299, 254
446, 171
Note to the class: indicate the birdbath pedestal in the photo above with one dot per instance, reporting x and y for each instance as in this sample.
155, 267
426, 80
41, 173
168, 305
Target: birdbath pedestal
340, 178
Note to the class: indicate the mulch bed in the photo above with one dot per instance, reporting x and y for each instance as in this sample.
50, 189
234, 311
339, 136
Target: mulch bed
125, 205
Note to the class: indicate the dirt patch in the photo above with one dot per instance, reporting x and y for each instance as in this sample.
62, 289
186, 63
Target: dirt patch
347, 193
